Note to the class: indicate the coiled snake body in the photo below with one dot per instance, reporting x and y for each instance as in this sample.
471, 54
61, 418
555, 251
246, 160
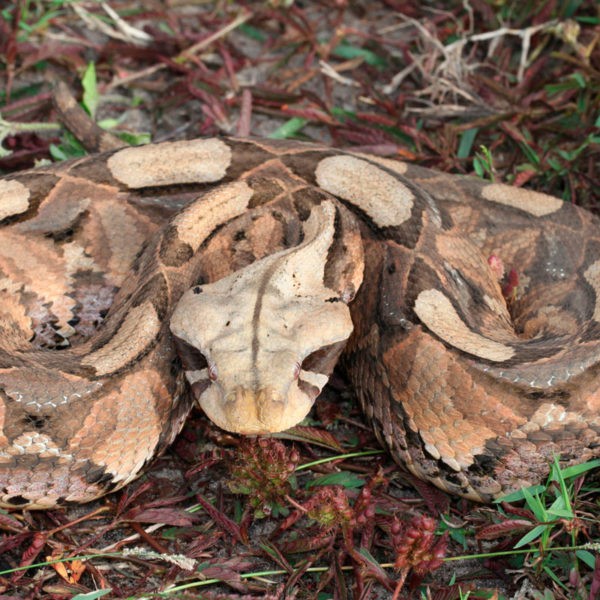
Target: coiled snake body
264, 262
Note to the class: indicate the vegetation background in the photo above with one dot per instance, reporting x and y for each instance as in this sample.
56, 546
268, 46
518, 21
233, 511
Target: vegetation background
505, 89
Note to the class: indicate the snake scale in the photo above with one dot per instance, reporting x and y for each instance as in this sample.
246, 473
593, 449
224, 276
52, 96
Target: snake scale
243, 270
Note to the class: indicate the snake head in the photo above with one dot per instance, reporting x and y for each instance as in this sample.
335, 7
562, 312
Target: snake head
259, 345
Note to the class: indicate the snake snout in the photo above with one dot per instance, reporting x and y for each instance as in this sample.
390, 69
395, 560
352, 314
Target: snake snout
258, 411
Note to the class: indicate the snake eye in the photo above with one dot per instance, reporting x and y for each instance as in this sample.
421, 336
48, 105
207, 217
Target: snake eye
212, 372
297, 368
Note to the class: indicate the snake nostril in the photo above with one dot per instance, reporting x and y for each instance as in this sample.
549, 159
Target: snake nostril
191, 358
323, 359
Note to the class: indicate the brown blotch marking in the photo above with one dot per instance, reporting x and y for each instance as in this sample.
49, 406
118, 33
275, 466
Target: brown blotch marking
306, 198
324, 359
345, 258
191, 358
305, 163
174, 252
65, 204
156, 291
199, 387
265, 234
415, 274
115, 233
96, 170
245, 157
266, 189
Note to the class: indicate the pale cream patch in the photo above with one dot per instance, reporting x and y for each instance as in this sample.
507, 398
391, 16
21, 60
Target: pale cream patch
380, 195
592, 275
197, 221
169, 163
436, 311
196, 376
389, 163
137, 332
33, 442
318, 380
495, 305
535, 203
76, 258
545, 416
14, 198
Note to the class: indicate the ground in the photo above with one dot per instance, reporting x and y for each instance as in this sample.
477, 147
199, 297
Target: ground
505, 90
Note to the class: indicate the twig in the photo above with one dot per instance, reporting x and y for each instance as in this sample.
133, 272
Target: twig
11, 128
184, 55
202, 44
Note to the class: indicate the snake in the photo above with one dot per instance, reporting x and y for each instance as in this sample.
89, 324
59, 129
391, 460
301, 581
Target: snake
237, 273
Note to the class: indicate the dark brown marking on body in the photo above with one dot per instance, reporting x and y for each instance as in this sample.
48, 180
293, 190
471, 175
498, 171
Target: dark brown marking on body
305, 163
306, 199
173, 252
266, 189
245, 157
191, 358
95, 169
324, 359
156, 290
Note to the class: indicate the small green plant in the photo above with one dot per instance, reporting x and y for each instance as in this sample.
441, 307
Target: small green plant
483, 164
263, 470
558, 535
69, 146
91, 97
8, 128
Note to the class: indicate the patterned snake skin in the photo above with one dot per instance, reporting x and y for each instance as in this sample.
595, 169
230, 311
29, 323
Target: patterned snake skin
245, 269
